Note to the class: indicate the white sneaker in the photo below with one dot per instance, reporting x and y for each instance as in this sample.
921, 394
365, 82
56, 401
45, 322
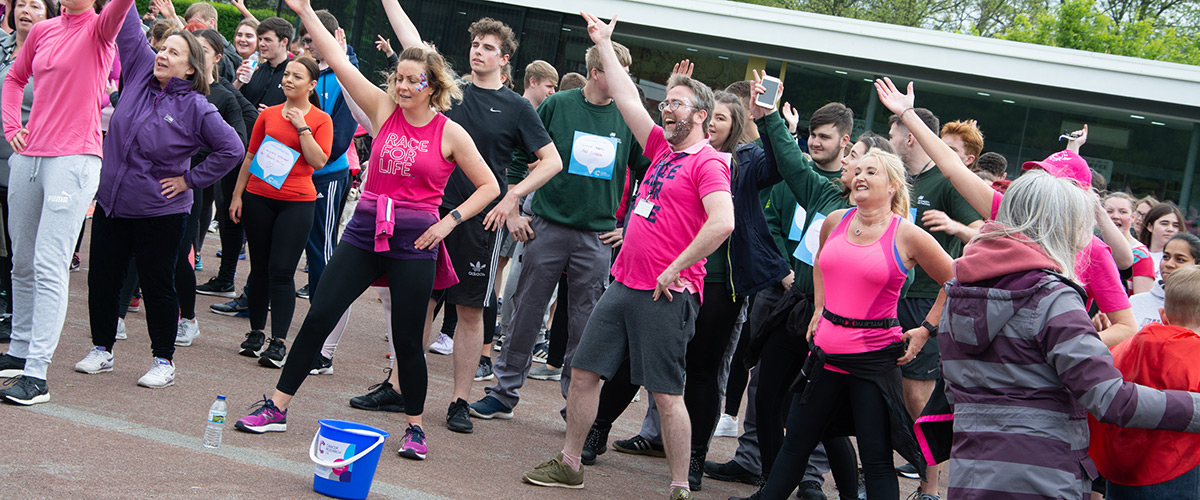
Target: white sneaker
727, 426
443, 345
121, 335
162, 374
98, 360
186, 332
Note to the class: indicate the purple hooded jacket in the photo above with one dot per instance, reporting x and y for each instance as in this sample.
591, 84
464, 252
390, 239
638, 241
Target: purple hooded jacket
1023, 368
153, 135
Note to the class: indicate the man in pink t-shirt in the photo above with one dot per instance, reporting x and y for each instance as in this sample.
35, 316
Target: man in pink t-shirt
682, 213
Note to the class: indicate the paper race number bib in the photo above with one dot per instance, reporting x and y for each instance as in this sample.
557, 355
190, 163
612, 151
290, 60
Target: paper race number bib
593, 155
273, 162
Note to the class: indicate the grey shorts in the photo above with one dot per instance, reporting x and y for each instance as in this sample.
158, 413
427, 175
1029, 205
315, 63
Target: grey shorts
652, 334
507, 244
927, 365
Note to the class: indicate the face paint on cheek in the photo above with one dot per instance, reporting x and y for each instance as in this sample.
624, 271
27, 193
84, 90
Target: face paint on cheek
423, 84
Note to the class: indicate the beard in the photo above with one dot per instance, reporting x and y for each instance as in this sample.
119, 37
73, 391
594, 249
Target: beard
683, 128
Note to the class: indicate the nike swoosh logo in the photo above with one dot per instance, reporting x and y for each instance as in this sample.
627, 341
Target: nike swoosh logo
494, 110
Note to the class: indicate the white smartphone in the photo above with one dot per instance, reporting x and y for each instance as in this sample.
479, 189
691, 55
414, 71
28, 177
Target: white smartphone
767, 99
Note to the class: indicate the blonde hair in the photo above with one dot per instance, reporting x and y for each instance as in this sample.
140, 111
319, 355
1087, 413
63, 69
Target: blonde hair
540, 71
897, 178
592, 57
1182, 304
440, 78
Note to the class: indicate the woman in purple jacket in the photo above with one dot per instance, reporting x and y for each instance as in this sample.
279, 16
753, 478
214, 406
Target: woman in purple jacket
160, 122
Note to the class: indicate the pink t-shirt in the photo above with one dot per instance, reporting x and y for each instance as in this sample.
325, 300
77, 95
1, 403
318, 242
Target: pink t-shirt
1095, 269
860, 282
669, 211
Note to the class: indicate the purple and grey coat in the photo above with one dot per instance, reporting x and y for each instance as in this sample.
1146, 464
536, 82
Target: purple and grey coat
1023, 367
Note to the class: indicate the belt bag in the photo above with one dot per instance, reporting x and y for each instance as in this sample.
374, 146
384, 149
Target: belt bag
839, 320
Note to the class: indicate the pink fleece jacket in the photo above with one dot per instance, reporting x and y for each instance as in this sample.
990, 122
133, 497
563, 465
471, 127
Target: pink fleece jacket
70, 56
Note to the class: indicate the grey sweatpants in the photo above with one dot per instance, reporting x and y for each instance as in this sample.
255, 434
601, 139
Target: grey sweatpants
554, 249
47, 200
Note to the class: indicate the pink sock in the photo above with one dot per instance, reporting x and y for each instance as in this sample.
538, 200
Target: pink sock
679, 484
572, 461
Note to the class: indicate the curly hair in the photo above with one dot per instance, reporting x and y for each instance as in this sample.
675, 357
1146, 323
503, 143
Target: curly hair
441, 79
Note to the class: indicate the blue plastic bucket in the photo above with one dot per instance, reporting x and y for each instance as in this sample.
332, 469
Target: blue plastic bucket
346, 455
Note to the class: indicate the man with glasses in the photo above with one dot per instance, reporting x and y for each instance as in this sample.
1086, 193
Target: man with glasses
682, 213
574, 222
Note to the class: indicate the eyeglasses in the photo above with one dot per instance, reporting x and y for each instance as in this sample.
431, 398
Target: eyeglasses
673, 105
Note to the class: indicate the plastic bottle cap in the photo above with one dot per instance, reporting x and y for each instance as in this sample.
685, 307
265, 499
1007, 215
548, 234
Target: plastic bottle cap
220, 397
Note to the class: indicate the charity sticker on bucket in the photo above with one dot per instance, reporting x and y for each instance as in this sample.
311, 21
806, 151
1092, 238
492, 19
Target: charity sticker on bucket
346, 455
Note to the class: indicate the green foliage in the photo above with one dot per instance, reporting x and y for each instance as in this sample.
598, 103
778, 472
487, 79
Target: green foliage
1079, 24
227, 15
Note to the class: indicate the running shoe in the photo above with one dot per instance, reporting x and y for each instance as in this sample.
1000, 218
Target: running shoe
216, 287
541, 352
908, 470
380, 397
199, 263
443, 345
253, 345
498, 344
678, 493
321, 366
489, 408
545, 372
75, 263
186, 332
555, 473
272, 356
98, 360
135, 304
11, 366
727, 426
811, 490
730, 471
639, 445
594, 445
458, 418
233, 307
302, 292
263, 417
413, 444
26, 390
161, 374
484, 371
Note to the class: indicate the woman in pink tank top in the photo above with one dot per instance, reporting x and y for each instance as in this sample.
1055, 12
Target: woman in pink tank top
396, 231
864, 259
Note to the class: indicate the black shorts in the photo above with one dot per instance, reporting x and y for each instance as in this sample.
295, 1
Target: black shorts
474, 251
927, 365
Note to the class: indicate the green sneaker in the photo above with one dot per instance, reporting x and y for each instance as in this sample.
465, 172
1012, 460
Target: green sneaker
555, 473
678, 493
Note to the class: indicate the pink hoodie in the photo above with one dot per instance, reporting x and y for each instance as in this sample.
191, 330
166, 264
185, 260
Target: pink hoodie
71, 57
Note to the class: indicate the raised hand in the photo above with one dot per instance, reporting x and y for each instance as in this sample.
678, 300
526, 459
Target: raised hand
599, 31
299, 6
383, 45
166, 8
891, 97
1077, 139
756, 90
684, 68
790, 116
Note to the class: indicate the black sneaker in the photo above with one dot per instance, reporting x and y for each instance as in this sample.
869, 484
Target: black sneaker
484, 370
5, 329
382, 397
26, 391
272, 356
811, 490
908, 470
695, 470
216, 287
233, 307
302, 292
11, 366
253, 345
594, 445
321, 366
458, 417
730, 471
638, 445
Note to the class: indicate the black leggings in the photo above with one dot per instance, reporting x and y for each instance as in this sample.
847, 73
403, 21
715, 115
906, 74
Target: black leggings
185, 267
276, 231
807, 423
701, 393
232, 235
355, 269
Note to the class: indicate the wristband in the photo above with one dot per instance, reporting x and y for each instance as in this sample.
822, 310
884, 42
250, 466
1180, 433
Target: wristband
933, 330
304, 129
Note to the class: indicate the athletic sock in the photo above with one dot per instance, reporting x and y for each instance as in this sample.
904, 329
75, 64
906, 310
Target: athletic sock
572, 461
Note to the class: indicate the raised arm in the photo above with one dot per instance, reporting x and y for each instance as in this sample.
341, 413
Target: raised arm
406, 31
111, 18
976, 191
137, 58
241, 7
620, 86
373, 100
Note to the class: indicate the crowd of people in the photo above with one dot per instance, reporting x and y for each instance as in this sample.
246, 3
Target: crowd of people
714, 250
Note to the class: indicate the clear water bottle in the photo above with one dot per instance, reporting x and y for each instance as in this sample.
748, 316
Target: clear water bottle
253, 66
216, 422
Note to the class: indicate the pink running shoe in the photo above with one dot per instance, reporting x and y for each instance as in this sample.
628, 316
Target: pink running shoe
265, 418
413, 445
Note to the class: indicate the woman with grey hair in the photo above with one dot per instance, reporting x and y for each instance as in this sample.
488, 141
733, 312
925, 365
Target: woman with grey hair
1022, 362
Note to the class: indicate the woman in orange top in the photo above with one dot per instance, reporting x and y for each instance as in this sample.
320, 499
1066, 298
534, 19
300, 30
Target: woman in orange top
278, 219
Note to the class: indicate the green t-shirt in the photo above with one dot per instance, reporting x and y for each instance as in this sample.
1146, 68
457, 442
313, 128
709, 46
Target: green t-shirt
933, 191
716, 268
596, 146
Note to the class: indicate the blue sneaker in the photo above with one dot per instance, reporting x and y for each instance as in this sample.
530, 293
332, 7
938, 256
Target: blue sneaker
199, 263
489, 408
